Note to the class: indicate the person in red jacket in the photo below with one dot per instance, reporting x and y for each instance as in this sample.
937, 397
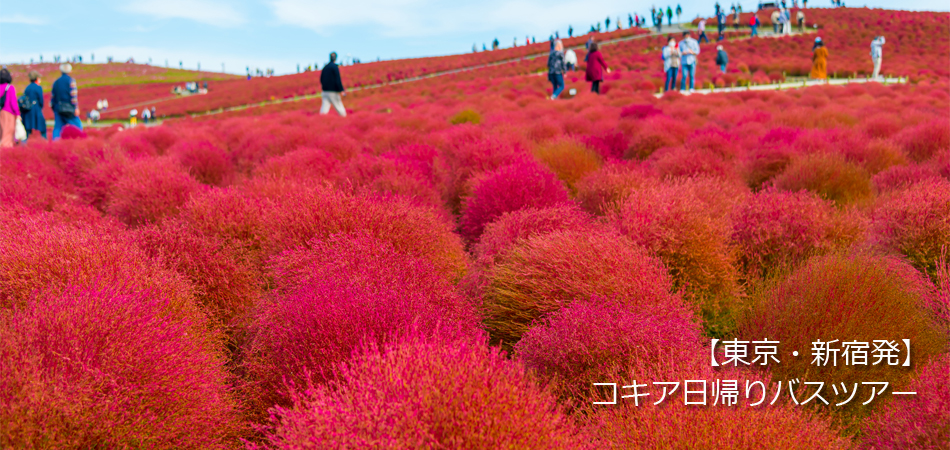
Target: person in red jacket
596, 67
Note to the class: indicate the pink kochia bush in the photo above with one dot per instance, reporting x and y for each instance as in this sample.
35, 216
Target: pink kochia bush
926, 140
914, 421
547, 272
205, 160
512, 227
506, 189
424, 393
914, 222
335, 294
598, 340
88, 368
775, 229
150, 189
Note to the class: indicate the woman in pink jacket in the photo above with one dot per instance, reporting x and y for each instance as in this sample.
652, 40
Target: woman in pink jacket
9, 109
596, 67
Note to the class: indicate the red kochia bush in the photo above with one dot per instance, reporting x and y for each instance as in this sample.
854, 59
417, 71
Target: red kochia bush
457, 164
44, 256
512, 227
422, 393
90, 368
225, 281
269, 216
205, 160
598, 340
547, 272
509, 188
899, 177
914, 421
865, 298
926, 140
149, 189
775, 229
827, 174
914, 222
336, 293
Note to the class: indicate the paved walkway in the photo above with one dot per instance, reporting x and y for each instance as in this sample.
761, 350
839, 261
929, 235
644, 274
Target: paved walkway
794, 85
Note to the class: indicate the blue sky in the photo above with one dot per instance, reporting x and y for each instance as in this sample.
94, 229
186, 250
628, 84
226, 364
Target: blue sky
280, 34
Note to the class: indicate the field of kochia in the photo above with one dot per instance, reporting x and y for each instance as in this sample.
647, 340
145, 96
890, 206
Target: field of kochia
457, 261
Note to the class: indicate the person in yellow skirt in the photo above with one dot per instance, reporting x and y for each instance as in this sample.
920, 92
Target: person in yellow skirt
133, 117
819, 64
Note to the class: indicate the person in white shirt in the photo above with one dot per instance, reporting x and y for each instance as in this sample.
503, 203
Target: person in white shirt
702, 31
570, 58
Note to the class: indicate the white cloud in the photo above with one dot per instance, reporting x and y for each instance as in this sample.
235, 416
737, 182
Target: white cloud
211, 12
23, 20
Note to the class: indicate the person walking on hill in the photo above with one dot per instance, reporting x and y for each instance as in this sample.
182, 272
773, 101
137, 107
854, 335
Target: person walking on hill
9, 109
33, 117
556, 69
775, 21
722, 58
64, 100
801, 21
819, 65
721, 25
607, 24
669, 15
596, 66
679, 11
735, 19
877, 53
702, 30
671, 63
689, 49
332, 86
754, 24
570, 60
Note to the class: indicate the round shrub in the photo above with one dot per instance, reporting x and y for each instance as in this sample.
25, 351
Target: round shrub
676, 222
656, 132
570, 160
923, 141
44, 256
335, 294
466, 116
205, 160
507, 189
828, 175
472, 156
914, 421
150, 189
683, 162
773, 230
425, 394
305, 163
849, 298
269, 216
914, 222
226, 283
603, 190
513, 227
598, 340
88, 368
389, 176
545, 273
763, 163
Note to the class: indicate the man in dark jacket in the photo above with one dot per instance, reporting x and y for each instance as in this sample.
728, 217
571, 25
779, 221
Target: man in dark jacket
332, 88
33, 119
65, 102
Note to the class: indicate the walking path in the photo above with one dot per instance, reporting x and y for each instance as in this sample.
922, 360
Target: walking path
793, 85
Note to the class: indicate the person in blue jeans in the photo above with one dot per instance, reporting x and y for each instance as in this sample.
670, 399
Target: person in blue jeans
671, 63
689, 49
556, 68
722, 58
64, 101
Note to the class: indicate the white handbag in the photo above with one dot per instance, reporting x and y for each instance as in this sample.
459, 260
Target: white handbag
20, 133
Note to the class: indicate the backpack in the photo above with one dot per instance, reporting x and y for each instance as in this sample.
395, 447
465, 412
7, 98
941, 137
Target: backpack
25, 104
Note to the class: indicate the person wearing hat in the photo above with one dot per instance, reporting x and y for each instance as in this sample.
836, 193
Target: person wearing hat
819, 65
64, 101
